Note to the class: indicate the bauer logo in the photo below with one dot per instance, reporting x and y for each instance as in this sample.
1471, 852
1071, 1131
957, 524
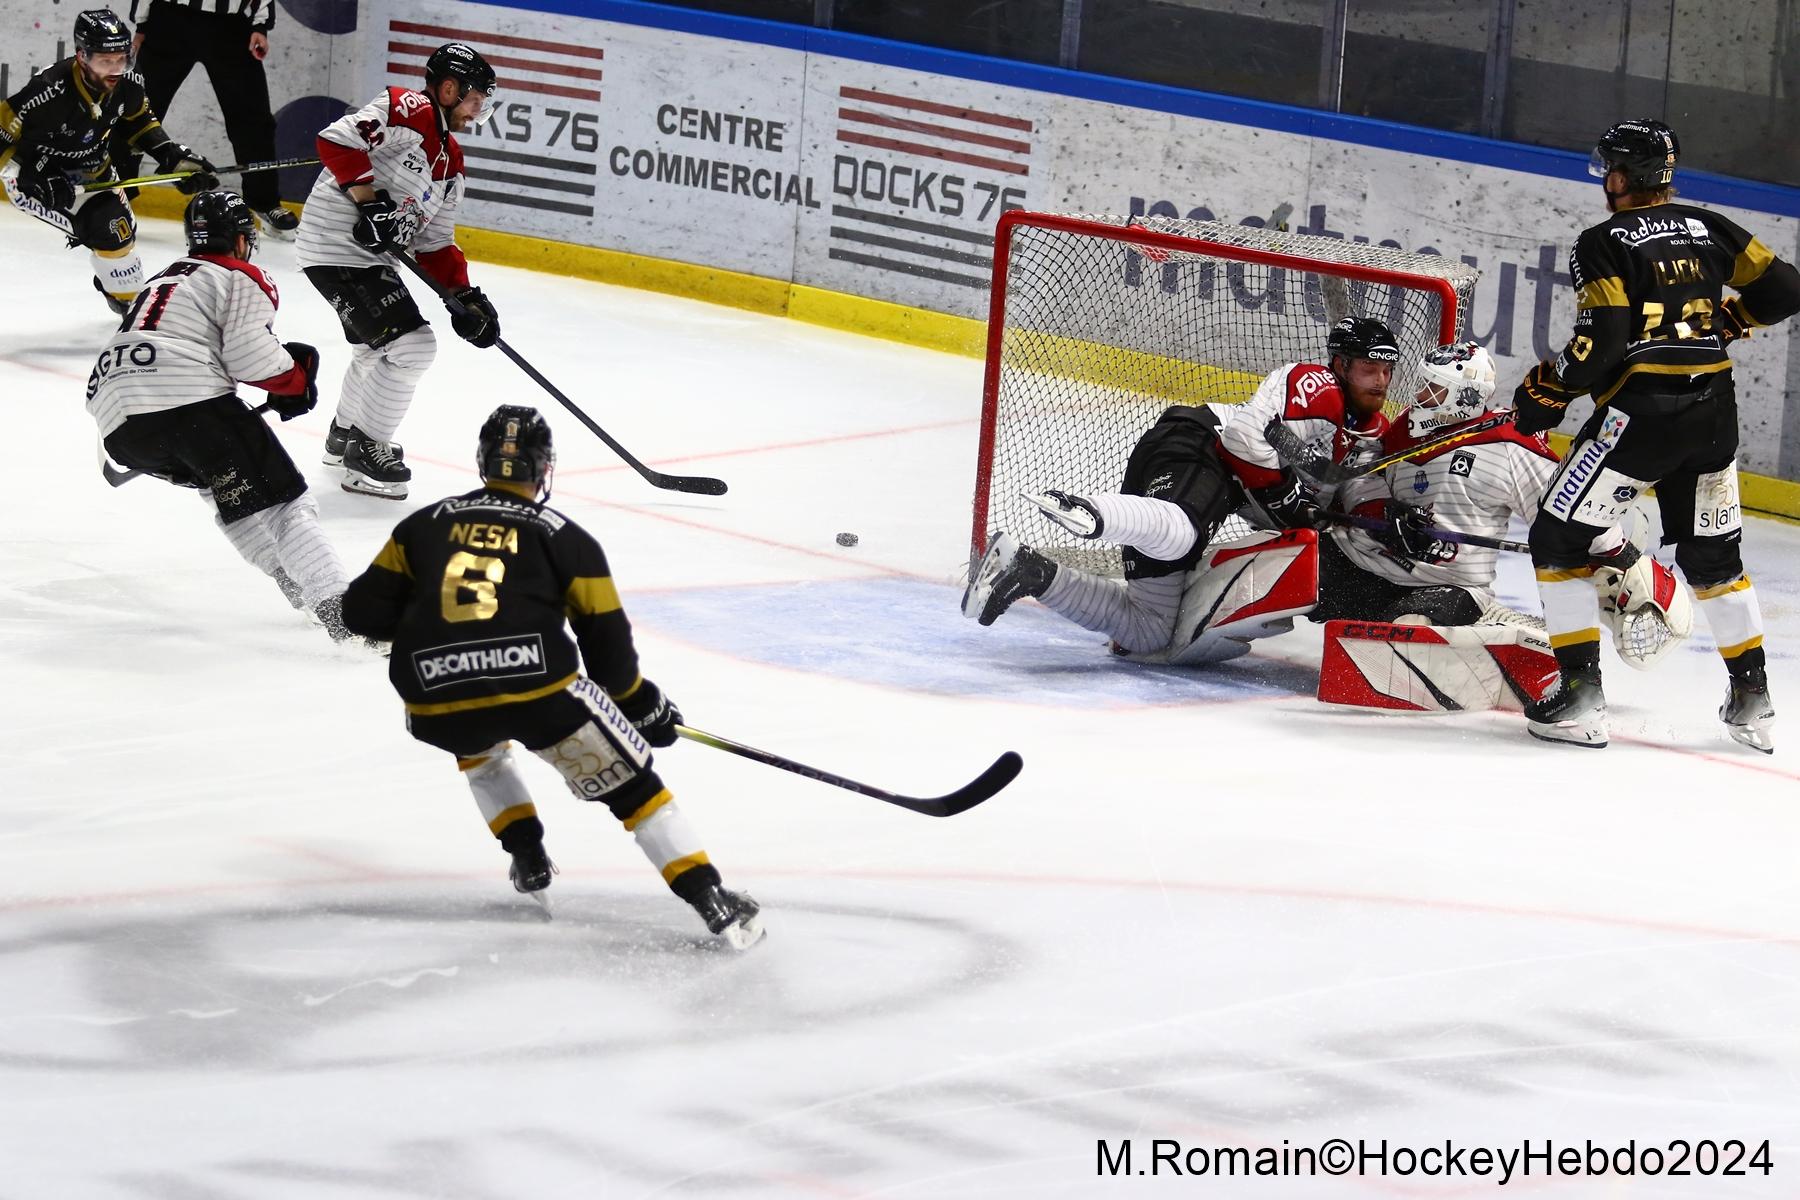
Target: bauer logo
496, 658
920, 182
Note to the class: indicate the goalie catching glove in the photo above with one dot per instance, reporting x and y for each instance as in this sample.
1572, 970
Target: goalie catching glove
650, 713
474, 319
173, 156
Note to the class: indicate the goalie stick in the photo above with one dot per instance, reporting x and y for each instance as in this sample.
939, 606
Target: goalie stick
1321, 472
278, 164
1003, 771
698, 484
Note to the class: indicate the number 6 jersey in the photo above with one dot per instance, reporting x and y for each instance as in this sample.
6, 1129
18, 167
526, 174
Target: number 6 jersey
478, 592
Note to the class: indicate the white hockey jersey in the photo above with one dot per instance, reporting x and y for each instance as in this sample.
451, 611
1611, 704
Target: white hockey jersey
398, 144
197, 329
1472, 487
1307, 399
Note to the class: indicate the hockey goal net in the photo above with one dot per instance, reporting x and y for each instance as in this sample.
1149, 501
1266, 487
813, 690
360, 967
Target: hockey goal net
1098, 323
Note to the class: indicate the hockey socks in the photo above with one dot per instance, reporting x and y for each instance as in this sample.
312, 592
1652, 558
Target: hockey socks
379, 383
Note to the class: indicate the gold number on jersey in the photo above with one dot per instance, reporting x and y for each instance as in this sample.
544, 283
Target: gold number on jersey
1696, 319
489, 571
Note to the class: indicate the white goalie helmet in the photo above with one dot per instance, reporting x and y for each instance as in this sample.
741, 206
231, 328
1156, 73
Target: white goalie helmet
1455, 383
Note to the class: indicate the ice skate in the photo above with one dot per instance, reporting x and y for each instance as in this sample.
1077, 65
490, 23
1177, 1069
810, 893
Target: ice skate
1748, 713
1573, 712
734, 916
1007, 573
329, 613
338, 436
1073, 513
373, 468
278, 222
290, 590
119, 307
531, 872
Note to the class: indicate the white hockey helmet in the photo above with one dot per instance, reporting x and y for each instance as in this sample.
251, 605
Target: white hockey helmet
1455, 384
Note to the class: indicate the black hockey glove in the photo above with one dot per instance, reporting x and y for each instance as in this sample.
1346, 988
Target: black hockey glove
1733, 322
1539, 402
299, 404
652, 714
52, 189
1411, 535
1288, 503
378, 228
475, 322
173, 156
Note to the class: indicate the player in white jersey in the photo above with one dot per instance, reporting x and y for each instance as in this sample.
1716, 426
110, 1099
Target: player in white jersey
164, 393
1185, 476
392, 182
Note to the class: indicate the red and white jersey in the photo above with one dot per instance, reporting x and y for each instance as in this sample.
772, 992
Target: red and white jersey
1308, 400
396, 143
197, 329
1473, 486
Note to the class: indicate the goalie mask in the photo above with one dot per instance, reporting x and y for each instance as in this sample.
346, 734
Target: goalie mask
1455, 384
515, 448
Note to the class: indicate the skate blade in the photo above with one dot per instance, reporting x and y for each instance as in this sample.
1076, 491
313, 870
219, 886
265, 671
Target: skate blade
1755, 737
541, 898
331, 460
358, 485
744, 934
1588, 739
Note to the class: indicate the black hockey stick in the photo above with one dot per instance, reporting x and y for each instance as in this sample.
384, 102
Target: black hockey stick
1321, 472
1380, 525
116, 477
1005, 769
278, 164
699, 484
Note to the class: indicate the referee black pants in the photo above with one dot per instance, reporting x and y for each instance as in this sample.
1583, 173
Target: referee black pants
177, 39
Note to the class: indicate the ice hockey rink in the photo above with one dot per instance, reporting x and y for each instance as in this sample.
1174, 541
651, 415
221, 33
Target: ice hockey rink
257, 943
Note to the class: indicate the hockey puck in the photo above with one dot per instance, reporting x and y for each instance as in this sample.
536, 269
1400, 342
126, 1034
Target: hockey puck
846, 539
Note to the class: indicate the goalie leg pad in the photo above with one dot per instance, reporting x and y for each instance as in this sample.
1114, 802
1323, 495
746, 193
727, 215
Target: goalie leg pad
1241, 592
1428, 668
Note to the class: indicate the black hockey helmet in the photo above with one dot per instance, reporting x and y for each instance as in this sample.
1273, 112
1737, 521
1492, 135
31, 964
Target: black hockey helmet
515, 447
1645, 151
214, 220
1363, 337
454, 60
100, 31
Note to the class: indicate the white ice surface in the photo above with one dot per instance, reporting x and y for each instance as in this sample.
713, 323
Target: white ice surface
256, 943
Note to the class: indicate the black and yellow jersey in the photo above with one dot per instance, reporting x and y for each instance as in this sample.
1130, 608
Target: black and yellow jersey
479, 593
1651, 313
56, 122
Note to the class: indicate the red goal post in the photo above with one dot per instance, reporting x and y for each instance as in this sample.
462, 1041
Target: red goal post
1098, 323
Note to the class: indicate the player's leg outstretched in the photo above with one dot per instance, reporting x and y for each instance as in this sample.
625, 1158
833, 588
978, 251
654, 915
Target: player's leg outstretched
1007, 573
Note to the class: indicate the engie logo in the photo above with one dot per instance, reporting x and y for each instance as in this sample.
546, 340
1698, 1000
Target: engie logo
497, 658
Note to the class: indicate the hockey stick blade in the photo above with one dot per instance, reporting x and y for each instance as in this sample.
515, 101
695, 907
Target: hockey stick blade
701, 485
1004, 770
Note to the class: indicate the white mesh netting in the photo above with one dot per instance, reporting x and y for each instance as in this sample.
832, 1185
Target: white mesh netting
1107, 320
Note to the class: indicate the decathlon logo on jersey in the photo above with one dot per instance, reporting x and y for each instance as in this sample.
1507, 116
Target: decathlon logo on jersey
499, 658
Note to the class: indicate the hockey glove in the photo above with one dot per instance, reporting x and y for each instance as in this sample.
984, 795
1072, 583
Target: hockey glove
173, 156
51, 189
1411, 536
378, 228
475, 322
299, 404
1733, 322
1539, 401
1288, 504
651, 713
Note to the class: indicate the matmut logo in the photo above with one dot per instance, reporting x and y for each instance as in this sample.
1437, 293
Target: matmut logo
496, 658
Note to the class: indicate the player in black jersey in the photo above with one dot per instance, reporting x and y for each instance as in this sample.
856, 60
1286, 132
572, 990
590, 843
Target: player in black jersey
54, 137
1651, 329
478, 594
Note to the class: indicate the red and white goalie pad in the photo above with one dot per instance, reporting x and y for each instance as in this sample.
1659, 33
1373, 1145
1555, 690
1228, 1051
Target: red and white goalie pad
1434, 668
1239, 592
